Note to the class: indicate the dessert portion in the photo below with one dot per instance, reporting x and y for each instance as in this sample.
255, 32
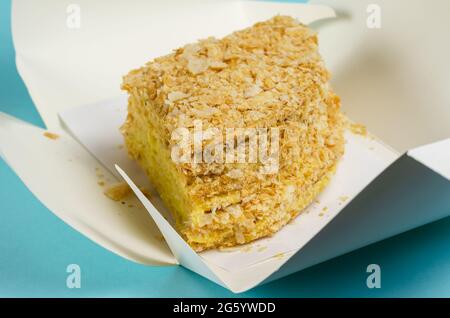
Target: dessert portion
238, 134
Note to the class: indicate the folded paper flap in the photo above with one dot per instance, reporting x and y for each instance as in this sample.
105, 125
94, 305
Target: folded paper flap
435, 156
406, 195
61, 67
256, 11
186, 256
392, 76
180, 249
67, 180
251, 276
83, 125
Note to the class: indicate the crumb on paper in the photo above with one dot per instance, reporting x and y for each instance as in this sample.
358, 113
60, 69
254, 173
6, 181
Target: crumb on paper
229, 249
325, 209
358, 129
262, 248
159, 237
99, 172
321, 214
246, 249
343, 198
51, 135
118, 191
279, 256
101, 183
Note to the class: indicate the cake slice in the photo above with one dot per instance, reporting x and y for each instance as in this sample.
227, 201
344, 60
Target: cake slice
194, 116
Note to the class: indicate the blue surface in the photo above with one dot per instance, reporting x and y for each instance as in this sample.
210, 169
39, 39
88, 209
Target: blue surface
36, 247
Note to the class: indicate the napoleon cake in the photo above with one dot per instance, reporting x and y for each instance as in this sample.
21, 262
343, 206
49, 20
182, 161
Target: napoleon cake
238, 134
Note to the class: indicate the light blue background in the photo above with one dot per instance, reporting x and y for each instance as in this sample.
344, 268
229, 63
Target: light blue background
36, 247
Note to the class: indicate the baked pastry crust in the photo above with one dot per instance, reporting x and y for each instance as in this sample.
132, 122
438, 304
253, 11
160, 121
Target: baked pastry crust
268, 75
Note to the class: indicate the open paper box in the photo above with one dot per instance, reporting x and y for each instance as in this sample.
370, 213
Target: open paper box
376, 192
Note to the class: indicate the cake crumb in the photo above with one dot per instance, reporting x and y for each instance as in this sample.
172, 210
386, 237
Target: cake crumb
101, 183
227, 249
246, 249
118, 191
262, 248
358, 129
279, 256
51, 135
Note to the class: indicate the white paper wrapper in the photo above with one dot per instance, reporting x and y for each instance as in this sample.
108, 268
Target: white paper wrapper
397, 88
64, 176
96, 127
84, 65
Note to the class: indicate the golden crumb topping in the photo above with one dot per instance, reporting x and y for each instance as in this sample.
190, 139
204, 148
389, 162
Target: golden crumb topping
260, 76
118, 191
51, 135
